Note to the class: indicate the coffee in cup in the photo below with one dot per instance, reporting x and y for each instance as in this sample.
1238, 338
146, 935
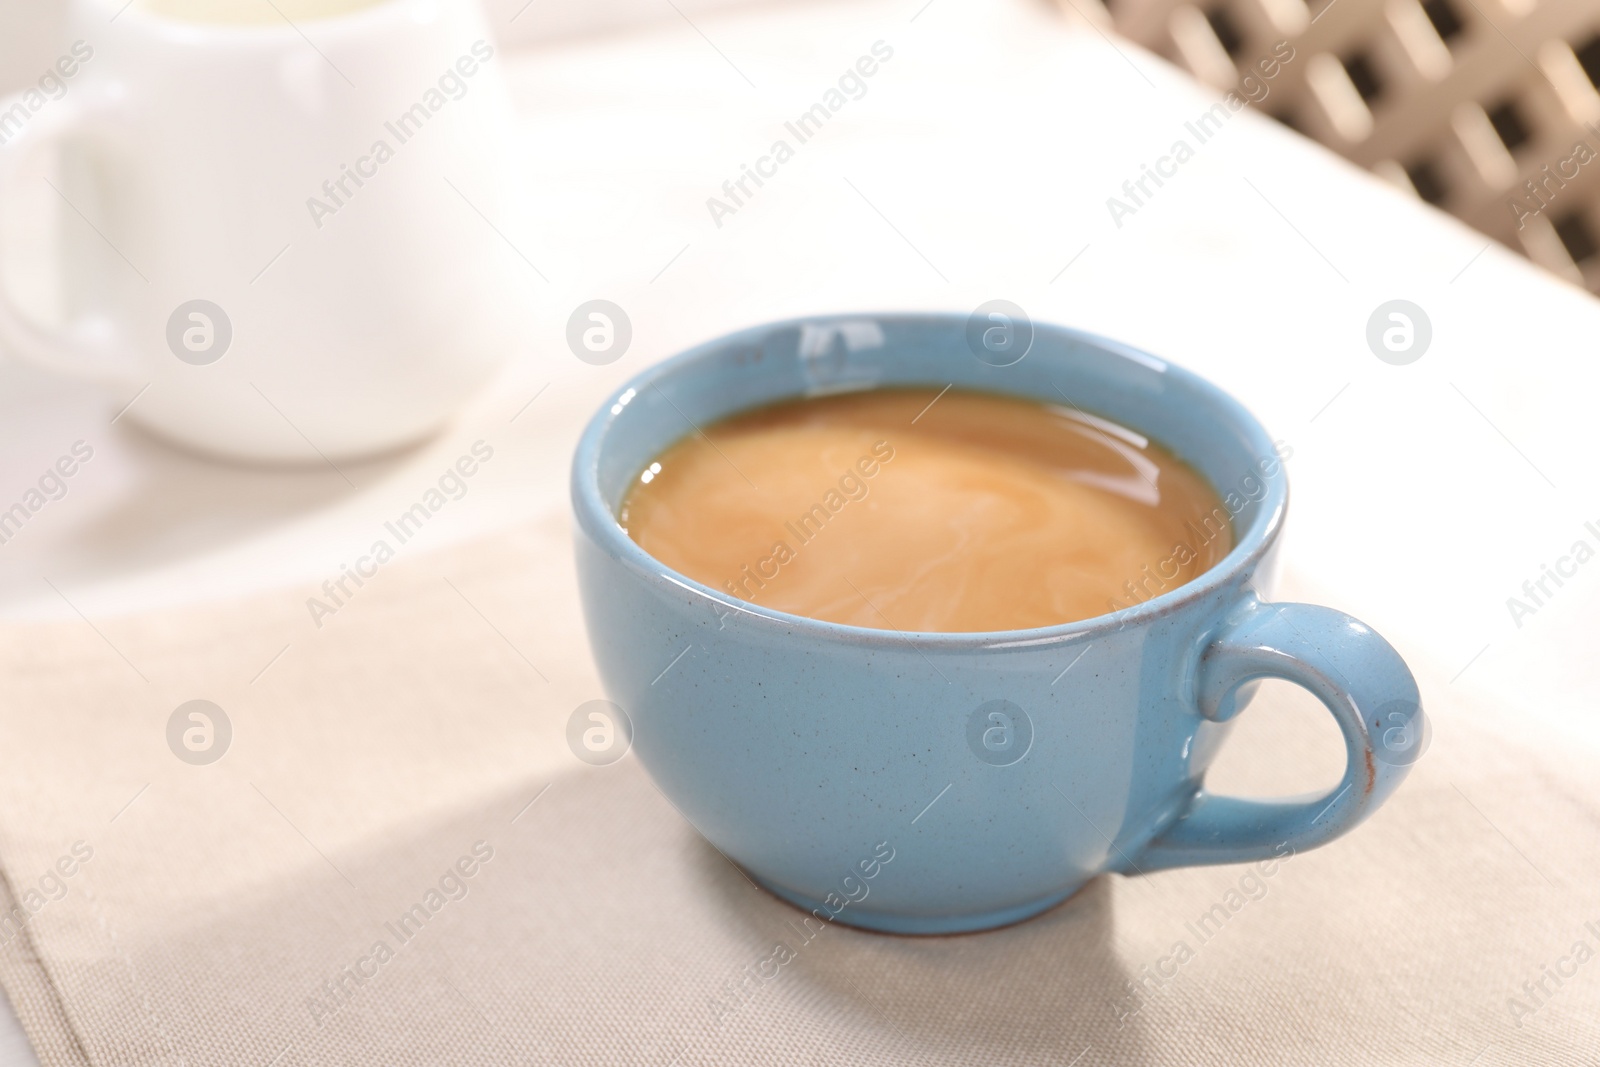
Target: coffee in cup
930, 511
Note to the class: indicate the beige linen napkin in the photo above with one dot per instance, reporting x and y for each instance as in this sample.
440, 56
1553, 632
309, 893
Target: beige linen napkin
398, 862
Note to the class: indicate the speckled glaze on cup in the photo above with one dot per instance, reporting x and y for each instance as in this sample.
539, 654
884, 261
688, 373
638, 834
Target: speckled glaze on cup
1002, 770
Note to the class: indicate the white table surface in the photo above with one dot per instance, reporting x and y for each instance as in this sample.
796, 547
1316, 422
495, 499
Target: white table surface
976, 167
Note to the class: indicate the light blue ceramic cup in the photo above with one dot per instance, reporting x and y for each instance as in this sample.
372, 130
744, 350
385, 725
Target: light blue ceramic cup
998, 772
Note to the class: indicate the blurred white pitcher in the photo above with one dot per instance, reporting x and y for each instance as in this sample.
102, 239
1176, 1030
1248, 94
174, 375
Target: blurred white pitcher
305, 217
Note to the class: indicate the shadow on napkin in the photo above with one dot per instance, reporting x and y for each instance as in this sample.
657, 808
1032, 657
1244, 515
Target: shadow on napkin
591, 926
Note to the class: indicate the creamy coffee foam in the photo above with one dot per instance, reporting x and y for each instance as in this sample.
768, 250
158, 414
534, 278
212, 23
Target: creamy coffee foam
249, 12
978, 513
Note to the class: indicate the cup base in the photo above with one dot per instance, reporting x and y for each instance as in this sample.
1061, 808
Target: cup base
921, 925
286, 455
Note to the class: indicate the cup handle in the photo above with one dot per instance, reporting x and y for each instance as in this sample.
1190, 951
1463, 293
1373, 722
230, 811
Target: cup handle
88, 347
1356, 674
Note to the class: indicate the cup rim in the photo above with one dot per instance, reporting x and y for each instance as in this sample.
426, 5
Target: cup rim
172, 26
596, 520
